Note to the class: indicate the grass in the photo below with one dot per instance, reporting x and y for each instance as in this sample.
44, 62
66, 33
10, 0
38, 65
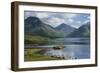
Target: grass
36, 55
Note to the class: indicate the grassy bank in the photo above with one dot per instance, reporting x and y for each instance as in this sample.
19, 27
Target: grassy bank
36, 55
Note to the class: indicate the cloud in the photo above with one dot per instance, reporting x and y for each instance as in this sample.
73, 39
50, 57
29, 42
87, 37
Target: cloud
46, 14
64, 15
53, 21
88, 17
71, 15
28, 14
56, 18
70, 20
86, 21
42, 15
79, 22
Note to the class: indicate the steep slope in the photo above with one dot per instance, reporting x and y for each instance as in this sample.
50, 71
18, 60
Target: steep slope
83, 31
66, 29
34, 26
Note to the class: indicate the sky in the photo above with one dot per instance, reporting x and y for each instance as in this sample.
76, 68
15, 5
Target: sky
56, 18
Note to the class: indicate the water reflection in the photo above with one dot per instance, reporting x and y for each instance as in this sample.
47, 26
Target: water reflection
71, 52
74, 48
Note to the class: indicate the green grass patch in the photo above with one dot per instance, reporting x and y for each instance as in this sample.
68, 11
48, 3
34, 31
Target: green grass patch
37, 55
29, 39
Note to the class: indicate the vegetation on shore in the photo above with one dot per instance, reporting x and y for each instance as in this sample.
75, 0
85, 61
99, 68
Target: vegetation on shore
37, 40
37, 55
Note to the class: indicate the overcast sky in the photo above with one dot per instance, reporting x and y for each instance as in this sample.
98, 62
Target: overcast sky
56, 18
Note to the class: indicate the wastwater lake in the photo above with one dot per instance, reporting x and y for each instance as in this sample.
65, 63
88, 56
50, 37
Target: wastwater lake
74, 48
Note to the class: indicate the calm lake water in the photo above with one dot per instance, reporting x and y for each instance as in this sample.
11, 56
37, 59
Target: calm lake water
74, 48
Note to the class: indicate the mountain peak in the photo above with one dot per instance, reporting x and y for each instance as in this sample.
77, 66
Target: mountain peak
34, 26
33, 20
63, 25
65, 28
31, 17
82, 31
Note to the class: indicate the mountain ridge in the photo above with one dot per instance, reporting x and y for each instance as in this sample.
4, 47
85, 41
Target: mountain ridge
65, 28
82, 31
35, 26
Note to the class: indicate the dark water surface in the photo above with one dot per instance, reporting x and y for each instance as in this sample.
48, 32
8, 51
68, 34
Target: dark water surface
74, 48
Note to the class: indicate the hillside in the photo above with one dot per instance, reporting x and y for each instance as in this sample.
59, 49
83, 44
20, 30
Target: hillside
83, 31
34, 26
65, 28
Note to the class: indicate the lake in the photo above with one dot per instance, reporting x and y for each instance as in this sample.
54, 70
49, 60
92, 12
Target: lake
74, 48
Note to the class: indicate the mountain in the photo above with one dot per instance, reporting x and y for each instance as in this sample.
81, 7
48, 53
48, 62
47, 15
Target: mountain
66, 29
34, 26
83, 31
